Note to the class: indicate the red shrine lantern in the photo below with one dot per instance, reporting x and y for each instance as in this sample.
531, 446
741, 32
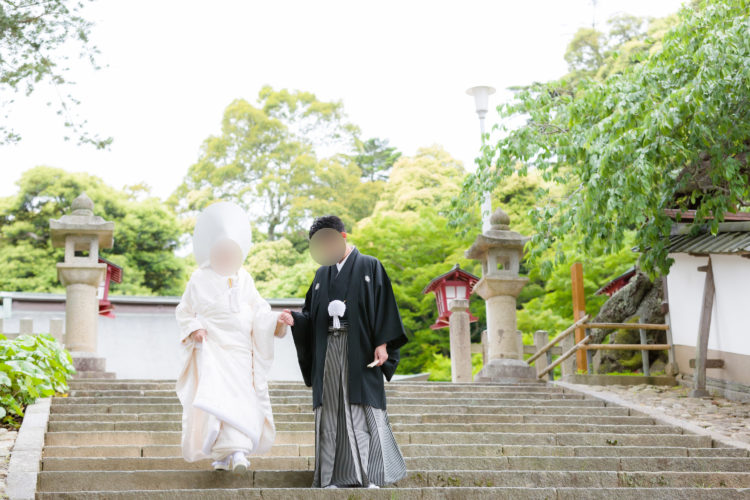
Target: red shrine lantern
455, 284
114, 273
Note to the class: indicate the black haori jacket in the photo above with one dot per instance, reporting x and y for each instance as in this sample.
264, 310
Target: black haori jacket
373, 319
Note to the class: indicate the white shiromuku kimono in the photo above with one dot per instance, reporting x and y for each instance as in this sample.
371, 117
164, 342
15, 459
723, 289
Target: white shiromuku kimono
222, 384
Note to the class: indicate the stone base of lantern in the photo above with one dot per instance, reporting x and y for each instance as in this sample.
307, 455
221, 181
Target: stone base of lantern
89, 365
506, 371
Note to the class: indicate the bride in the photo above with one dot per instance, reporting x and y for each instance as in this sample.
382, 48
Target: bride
226, 340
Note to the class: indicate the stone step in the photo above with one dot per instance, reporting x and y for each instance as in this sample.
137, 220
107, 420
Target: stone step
426, 493
426, 418
396, 426
164, 480
402, 386
453, 463
564, 400
416, 450
547, 409
393, 393
73, 438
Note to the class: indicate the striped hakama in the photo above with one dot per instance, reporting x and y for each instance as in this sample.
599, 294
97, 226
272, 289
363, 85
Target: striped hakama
354, 444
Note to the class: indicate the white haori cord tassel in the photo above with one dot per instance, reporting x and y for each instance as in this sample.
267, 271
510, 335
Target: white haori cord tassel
336, 309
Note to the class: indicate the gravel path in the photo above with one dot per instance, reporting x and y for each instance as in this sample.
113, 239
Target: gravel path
7, 438
729, 418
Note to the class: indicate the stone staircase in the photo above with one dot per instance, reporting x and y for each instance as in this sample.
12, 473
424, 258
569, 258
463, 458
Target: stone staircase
120, 439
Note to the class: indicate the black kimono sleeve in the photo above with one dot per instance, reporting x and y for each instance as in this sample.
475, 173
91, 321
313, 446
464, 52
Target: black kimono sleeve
389, 329
303, 338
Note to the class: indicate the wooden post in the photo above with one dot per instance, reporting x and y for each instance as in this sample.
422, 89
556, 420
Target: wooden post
644, 354
579, 310
569, 365
672, 368
701, 350
540, 339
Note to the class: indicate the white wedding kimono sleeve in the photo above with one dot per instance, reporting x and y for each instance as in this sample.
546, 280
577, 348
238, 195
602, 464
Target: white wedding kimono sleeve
266, 326
187, 319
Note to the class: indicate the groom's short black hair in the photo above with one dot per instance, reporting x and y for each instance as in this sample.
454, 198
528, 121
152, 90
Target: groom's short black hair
327, 221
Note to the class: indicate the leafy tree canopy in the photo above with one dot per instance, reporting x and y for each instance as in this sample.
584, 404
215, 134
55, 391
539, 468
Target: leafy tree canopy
671, 131
146, 234
35, 38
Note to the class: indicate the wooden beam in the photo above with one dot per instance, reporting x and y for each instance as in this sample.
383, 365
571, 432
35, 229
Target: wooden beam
626, 347
554, 341
579, 309
530, 349
704, 326
628, 326
565, 356
710, 363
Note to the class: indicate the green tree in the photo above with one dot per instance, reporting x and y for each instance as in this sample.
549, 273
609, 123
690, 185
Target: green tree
34, 40
146, 236
266, 157
375, 158
669, 132
409, 233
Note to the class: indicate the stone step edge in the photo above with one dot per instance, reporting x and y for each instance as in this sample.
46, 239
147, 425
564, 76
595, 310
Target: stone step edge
26, 456
425, 493
177, 447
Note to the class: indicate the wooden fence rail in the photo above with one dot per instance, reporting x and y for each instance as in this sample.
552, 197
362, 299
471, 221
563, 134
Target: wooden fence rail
545, 365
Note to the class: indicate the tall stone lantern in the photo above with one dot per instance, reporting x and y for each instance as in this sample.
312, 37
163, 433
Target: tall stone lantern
82, 234
500, 250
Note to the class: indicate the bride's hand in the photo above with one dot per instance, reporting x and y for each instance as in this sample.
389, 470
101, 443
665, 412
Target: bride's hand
199, 335
286, 317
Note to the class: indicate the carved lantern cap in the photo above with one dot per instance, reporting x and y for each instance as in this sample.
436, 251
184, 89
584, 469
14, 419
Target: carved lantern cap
498, 236
82, 222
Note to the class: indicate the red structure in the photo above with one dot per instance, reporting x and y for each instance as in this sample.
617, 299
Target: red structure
616, 284
114, 273
455, 284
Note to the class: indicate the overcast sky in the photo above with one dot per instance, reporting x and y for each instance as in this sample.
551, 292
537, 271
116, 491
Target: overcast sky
401, 69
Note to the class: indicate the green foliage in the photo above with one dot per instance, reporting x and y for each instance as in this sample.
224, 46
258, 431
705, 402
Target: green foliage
31, 367
279, 270
286, 160
147, 234
35, 38
669, 132
375, 158
552, 309
440, 367
411, 237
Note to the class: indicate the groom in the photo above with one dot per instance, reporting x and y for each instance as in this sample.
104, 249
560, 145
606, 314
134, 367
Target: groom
348, 336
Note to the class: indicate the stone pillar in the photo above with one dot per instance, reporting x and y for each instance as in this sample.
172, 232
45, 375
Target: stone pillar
460, 337
26, 326
500, 250
86, 233
56, 329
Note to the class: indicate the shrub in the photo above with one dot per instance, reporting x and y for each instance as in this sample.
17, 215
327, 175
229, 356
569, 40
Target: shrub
31, 366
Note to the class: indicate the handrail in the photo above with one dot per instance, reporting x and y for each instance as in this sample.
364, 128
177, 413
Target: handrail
557, 339
627, 326
585, 346
565, 356
626, 347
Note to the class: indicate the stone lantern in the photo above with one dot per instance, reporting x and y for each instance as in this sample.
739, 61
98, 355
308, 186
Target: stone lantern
82, 234
500, 251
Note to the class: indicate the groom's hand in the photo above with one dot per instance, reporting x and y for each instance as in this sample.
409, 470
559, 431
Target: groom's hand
286, 317
381, 355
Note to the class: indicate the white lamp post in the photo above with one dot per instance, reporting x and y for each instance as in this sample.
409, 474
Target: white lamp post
481, 101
